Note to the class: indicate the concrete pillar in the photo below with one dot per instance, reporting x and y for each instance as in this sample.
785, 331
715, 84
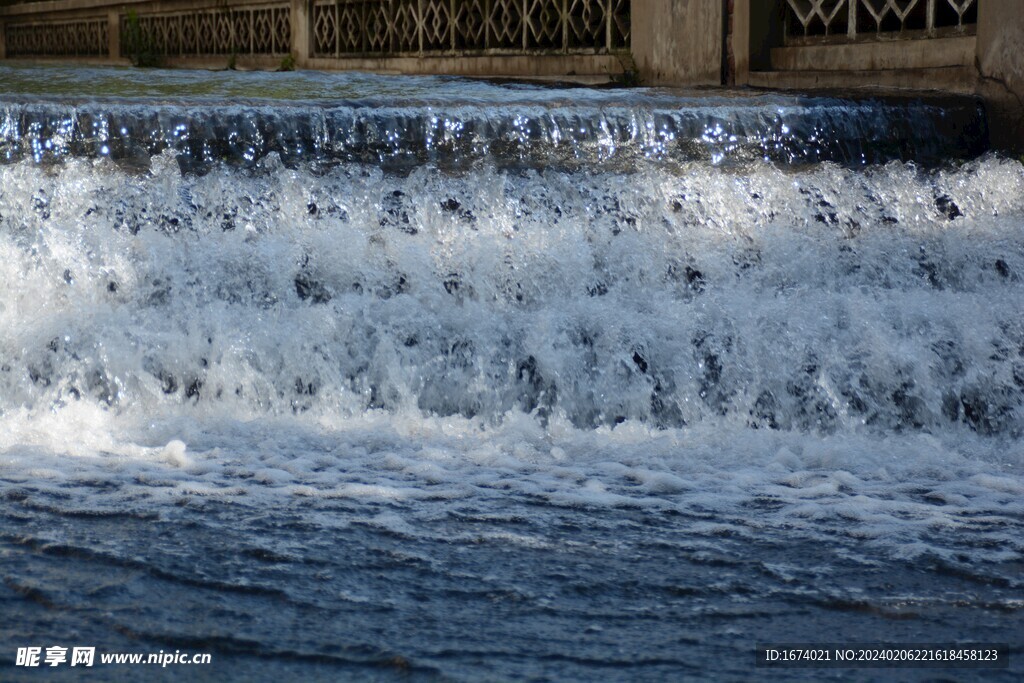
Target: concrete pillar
678, 42
1000, 47
741, 41
114, 34
763, 30
302, 31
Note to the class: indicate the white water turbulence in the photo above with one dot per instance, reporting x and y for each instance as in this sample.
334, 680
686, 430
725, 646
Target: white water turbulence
468, 418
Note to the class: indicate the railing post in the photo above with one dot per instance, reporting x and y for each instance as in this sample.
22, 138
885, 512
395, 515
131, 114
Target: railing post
392, 33
487, 24
301, 29
741, 41
364, 20
419, 24
453, 24
608, 25
565, 25
114, 34
526, 24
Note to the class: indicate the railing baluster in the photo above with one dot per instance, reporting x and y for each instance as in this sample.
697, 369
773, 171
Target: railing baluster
420, 24
487, 24
608, 25
565, 25
362, 28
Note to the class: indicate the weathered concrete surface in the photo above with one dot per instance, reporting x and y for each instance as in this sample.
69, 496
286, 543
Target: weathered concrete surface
893, 54
49, 7
583, 69
678, 42
587, 68
113, 34
741, 41
954, 79
1000, 66
302, 30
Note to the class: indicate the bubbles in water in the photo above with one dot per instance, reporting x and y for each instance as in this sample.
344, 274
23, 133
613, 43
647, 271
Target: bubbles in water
822, 300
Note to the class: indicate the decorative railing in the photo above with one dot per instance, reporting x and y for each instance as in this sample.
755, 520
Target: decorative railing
83, 38
383, 27
264, 31
246, 30
856, 19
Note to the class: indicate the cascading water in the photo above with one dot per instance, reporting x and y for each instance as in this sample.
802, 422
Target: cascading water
499, 381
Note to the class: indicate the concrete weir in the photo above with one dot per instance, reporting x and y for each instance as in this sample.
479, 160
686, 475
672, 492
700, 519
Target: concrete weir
973, 47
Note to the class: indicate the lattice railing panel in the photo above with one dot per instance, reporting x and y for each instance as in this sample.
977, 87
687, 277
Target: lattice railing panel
587, 22
620, 23
282, 30
405, 34
380, 27
544, 24
325, 29
256, 31
436, 24
364, 27
71, 38
377, 29
505, 24
242, 32
350, 27
471, 25
857, 18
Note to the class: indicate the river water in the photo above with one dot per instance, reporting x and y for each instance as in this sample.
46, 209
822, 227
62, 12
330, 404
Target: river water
379, 378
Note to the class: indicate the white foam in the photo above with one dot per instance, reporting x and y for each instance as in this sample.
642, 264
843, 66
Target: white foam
799, 382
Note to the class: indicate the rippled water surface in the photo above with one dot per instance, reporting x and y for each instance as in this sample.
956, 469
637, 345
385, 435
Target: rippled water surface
377, 378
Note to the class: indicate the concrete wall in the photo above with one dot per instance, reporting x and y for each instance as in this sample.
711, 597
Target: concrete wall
877, 56
1000, 64
678, 42
989, 64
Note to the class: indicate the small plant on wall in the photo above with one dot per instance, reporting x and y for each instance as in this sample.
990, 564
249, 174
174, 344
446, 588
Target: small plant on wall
138, 44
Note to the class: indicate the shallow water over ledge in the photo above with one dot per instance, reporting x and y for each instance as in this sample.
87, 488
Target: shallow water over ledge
399, 123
